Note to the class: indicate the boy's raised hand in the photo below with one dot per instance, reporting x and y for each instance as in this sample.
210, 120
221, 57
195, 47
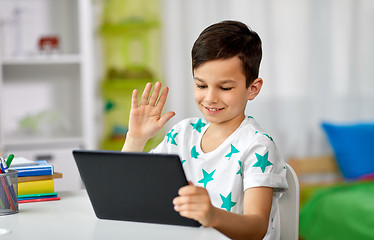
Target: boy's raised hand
145, 117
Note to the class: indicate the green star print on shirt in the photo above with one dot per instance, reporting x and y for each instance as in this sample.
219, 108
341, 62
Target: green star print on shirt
194, 153
240, 168
171, 137
262, 161
207, 177
198, 125
266, 136
232, 151
227, 203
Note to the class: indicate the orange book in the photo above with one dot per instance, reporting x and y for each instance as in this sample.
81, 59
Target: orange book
41, 177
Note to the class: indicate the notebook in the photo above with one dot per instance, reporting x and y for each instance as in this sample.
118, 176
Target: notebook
136, 187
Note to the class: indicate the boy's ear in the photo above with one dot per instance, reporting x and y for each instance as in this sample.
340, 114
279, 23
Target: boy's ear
254, 88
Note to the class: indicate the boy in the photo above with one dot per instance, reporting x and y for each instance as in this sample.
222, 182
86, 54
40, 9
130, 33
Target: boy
235, 170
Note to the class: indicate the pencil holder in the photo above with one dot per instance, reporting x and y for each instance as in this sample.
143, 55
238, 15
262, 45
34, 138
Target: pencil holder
9, 192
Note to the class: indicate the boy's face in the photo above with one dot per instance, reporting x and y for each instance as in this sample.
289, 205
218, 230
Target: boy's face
220, 91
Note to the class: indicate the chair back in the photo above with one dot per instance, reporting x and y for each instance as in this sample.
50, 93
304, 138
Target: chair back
289, 207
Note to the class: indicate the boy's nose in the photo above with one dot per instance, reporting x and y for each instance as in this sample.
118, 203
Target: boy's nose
211, 96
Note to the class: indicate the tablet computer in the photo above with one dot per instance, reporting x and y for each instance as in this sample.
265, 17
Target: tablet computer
132, 186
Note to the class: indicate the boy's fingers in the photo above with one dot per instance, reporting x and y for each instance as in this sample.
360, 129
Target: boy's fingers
166, 117
189, 214
161, 101
190, 200
191, 207
134, 99
191, 190
145, 95
155, 93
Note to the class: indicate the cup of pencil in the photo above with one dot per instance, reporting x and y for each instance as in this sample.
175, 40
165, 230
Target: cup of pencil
8, 189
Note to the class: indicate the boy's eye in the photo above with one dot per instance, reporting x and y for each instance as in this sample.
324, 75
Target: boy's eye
226, 88
200, 86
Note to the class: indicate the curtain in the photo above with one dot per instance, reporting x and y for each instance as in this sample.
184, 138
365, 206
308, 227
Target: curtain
318, 63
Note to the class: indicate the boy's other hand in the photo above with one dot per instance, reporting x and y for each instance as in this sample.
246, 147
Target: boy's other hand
145, 117
194, 202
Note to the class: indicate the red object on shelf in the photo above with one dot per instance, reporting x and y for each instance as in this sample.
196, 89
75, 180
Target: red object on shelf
49, 43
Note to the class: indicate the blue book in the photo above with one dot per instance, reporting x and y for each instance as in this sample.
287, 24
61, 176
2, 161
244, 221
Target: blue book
38, 168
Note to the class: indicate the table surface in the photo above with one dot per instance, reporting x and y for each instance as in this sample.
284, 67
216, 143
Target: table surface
73, 216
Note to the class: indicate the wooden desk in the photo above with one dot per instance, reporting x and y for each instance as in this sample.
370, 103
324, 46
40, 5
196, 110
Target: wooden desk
72, 217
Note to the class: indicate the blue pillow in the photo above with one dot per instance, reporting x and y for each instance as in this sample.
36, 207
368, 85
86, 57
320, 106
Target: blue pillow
353, 145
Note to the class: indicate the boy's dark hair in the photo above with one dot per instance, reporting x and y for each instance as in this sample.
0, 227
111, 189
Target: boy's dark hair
228, 39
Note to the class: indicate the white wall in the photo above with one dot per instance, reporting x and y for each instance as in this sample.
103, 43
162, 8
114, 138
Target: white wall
317, 63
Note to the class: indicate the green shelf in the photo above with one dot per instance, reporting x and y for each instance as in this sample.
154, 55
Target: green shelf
127, 26
125, 84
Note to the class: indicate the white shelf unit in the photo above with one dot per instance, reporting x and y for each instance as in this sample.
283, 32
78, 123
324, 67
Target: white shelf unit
43, 60
47, 100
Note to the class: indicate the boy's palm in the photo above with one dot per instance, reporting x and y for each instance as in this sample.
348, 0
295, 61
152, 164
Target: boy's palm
145, 117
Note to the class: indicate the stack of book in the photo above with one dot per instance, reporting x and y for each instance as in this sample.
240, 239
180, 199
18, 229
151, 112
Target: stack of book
35, 180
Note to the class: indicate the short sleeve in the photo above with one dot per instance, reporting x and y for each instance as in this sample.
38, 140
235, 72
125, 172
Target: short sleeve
263, 166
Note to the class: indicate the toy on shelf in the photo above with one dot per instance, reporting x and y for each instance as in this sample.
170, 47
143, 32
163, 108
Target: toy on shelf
49, 44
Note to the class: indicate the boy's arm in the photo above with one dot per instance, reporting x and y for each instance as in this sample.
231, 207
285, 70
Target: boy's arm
193, 202
145, 117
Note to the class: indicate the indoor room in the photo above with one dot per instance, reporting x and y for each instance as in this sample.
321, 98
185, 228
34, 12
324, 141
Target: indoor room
68, 70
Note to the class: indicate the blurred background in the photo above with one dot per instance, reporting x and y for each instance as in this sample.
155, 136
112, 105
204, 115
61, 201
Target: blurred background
67, 70
74, 92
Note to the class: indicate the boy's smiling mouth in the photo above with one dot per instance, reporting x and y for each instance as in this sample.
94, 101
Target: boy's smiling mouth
213, 110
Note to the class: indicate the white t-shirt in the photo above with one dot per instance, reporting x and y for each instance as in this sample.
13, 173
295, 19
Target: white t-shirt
247, 158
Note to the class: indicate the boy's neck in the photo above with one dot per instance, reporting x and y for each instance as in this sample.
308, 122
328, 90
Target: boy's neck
217, 133
226, 127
